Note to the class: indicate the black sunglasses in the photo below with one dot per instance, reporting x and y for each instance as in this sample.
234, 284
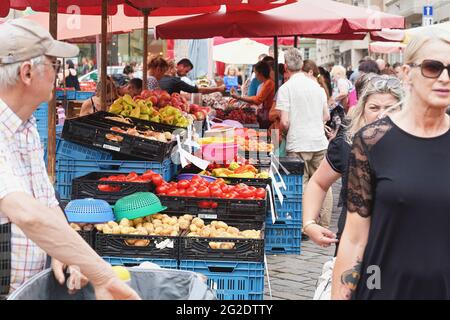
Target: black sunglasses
431, 68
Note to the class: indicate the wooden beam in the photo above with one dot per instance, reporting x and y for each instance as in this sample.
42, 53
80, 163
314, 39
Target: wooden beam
145, 12
295, 41
51, 139
104, 49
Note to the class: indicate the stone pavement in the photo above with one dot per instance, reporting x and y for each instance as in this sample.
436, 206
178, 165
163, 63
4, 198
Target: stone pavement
294, 277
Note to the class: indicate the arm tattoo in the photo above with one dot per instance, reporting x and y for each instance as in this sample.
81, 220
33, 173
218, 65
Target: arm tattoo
350, 279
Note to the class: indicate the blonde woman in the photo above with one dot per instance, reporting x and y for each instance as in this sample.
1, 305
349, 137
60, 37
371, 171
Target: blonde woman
396, 243
381, 93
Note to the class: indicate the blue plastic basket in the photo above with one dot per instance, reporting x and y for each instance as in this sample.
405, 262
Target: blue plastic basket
84, 95
283, 239
231, 280
294, 184
68, 169
66, 149
289, 213
89, 211
131, 262
70, 94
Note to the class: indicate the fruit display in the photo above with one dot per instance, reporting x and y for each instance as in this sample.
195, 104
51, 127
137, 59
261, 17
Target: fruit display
161, 99
198, 112
253, 145
240, 115
144, 109
235, 170
147, 134
199, 187
219, 229
82, 226
152, 225
147, 177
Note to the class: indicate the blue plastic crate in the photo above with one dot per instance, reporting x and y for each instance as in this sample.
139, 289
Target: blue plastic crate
70, 94
289, 213
66, 149
131, 262
68, 169
84, 95
231, 280
283, 239
294, 184
41, 112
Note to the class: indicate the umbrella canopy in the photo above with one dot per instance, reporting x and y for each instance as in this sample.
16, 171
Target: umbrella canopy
243, 51
386, 47
304, 18
89, 7
288, 41
405, 35
81, 26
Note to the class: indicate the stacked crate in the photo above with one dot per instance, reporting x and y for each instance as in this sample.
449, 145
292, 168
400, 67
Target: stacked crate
284, 236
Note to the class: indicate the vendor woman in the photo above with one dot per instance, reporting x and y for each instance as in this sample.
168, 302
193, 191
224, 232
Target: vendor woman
94, 104
265, 96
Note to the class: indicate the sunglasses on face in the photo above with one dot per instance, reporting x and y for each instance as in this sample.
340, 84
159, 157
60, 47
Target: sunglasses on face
431, 69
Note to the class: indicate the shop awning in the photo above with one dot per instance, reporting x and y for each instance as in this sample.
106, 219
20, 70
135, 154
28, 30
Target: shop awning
302, 18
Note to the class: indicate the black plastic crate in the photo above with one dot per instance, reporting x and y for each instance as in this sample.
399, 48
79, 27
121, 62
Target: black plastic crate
88, 187
92, 132
237, 210
294, 164
135, 122
198, 248
88, 236
116, 245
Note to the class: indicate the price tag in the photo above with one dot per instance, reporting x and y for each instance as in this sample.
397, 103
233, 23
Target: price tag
279, 175
277, 187
108, 147
200, 163
272, 208
168, 243
182, 152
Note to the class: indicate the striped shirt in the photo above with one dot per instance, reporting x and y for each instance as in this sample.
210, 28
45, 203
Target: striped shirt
22, 169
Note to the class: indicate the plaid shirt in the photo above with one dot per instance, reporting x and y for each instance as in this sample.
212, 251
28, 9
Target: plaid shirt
22, 169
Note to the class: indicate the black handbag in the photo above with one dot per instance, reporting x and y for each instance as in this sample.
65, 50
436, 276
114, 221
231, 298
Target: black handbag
5, 259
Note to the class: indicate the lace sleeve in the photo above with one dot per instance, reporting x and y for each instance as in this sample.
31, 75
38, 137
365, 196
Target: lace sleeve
359, 189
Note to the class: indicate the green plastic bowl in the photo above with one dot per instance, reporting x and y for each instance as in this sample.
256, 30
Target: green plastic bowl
137, 205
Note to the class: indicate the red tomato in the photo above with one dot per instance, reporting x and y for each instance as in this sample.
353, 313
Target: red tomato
217, 193
260, 193
197, 179
245, 193
157, 180
234, 195
149, 173
104, 179
227, 196
226, 189
183, 184
213, 205
202, 192
132, 176
190, 192
252, 189
204, 204
104, 187
172, 192
182, 192
220, 182
214, 187
162, 188
194, 184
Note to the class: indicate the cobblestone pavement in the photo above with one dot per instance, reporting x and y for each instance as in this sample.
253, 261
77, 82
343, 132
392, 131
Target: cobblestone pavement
294, 277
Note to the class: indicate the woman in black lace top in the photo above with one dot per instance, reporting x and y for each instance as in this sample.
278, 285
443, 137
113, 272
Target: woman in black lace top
396, 241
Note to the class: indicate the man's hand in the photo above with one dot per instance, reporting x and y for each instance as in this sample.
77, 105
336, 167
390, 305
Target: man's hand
76, 280
115, 289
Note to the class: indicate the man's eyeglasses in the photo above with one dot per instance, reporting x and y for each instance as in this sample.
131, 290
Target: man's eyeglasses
54, 65
431, 69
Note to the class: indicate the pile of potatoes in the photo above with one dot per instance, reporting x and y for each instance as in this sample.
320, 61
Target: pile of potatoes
219, 229
82, 226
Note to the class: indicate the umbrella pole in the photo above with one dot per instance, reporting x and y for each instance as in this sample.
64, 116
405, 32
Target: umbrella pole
145, 60
104, 50
275, 53
51, 143
295, 41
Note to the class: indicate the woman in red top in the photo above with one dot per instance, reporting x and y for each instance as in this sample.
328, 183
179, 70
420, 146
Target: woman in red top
265, 95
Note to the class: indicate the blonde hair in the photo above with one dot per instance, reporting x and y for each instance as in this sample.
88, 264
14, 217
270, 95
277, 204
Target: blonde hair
356, 114
417, 42
338, 71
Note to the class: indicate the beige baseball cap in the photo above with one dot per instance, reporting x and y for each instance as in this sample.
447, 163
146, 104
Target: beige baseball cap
23, 39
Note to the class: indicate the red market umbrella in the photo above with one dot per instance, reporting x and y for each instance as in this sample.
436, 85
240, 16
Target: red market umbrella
303, 18
88, 7
4, 8
267, 41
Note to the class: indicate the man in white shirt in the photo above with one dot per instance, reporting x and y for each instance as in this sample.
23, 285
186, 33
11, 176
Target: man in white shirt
304, 110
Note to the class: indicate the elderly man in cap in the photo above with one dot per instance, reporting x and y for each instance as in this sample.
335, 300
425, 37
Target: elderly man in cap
31, 223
